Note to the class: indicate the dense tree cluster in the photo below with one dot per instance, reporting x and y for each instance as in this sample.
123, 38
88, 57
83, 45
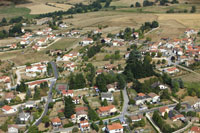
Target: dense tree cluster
21, 87
147, 26
90, 73
147, 3
93, 50
127, 34
103, 79
13, 31
137, 68
76, 81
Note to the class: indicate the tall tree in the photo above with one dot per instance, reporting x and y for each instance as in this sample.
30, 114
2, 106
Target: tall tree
69, 107
101, 82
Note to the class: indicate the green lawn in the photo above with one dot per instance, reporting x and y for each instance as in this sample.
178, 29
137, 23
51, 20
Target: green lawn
64, 43
192, 84
13, 11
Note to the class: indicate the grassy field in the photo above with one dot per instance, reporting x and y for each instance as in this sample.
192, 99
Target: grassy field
12, 11
20, 57
63, 43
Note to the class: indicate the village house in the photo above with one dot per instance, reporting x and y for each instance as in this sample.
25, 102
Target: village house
5, 79
106, 40
141, 98
39, 68
178, 117
117, 43
106, 110
30, 104
72, 33
84, 126
9, 96
13, 46
24, 116
35, 47
111, 87
115, 128
164, 110
106, 96
76, 100
56, 122
80, 114
34, 84
13, 128
155, 98
68, 93
171, 70
99, 71
63, 25
42, 42
70, 56
194, 129
98, 31
70, 66
8, 109
136, 118
86, 41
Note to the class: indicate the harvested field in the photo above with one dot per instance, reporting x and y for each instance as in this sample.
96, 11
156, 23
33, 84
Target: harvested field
42, 8
187, 20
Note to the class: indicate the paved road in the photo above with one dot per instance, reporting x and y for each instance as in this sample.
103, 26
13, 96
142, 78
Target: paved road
18, 73
125, 104
49, 98
183, 129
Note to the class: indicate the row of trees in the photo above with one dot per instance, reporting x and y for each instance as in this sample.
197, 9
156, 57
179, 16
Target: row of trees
78, 8
5, 22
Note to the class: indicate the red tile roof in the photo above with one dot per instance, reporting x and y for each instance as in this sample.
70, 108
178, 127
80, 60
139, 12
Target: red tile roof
141, 94
115, 126
36, 82
6, 107
56, 120
195, 129
77, 109
163, 109
106, 108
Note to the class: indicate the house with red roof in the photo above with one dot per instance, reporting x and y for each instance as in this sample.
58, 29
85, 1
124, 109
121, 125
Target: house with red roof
75, 100
106, 40
68, 93
81, 114
178, 117
9, 96
70, 56
5, 79
164, 110
136, 118
106, 110
86, 41
33, 84
155, 97
171, 70
194, 129
115, 128
39, 68
56, 122
84, 126
8, 109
